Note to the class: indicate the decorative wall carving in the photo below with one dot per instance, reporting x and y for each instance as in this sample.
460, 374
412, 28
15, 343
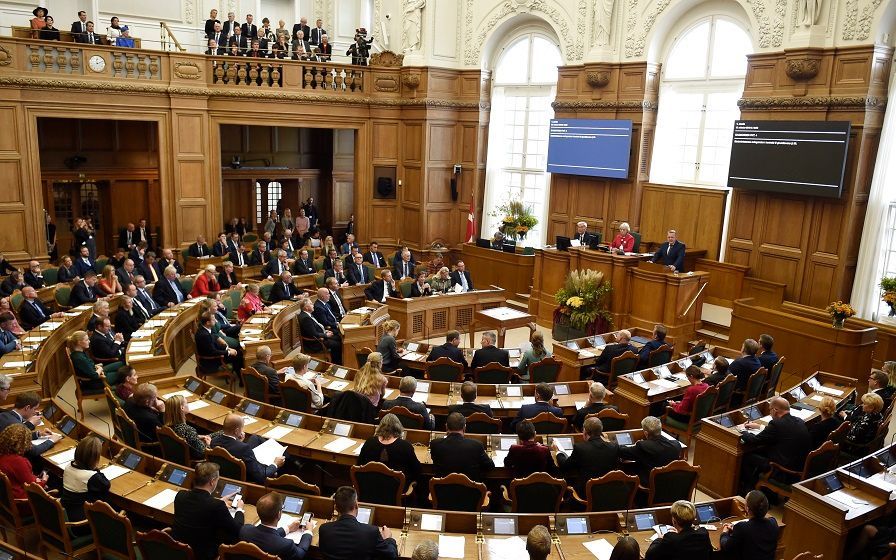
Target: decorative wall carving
411, 81
187, 70
802, 69
869, 102
857, 25
5, 57
598, 78
388, 59
189, 11
386, 84
577, 105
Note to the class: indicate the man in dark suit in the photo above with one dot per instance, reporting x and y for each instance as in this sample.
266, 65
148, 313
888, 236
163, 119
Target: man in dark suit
456, 454
757, 537
378, 290
591, 458
199, 249
357, 273
303, 27
596, 395
240, 257
221, 247
469, 406
323, 312
263, 366
130, 314
284, 289
142, 232
404, 266
659, 338
202, 521
489, 353
239, 41
785, 441
407, 387
582, 235
462, 277
767, 357
168, 291
316, 33
8, 341
105, 344
671, 254
450, 350
544, 393
33, 276
655, 450
26, 411
219, 38
229, 25
84, 291
325, 338
276, 267
335, 302
610, 351
249, 29
89, 37
33, 312
347, 538
80, 26
234, 440
84, 263
126, 273
127, 237
303, 264
260, 255
338, 273
272, 539
374, 257
144, 299
212, 347
150, 268
746, 365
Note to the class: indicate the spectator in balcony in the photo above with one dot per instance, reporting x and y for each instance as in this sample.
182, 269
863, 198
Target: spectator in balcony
229, 25
325, 49
214, 49
38, 22
249, 29
211, 24
80, 26
282, 31
219, 37
239, 41
125, 40
301, 26
49, 33
90, 37
113, 32
300, 46
266, 35
256, 51
317, 33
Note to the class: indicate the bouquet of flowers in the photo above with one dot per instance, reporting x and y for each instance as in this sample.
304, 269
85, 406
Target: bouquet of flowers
516, 219
888, 287
840, 312
583, 298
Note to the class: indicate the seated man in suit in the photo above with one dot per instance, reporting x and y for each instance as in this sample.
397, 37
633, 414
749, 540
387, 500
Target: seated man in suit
610, 351
138, 253
404, 268
767, 357
337, 272
596, 395
655, 450
33, 312
234, 440
221, 246
406, 388
26, 410
349, 538
461, 276
130, 316
591, 458
757, 537
659, 338
117, 260
271, 539
304, 264
456, 454
450, 350
106, 344
489, 353
357, 273
283, 288
323, 312
544, 393
719, 371
8, 341
331, 257
312, 329
168, 291
468, 394
168, 260
143, 298
286, 243
582, 235
33, 276
240, 257
746, 365
150, 268
212, 347
260, 256
126, 273
263, 366
67, 272
785, 440
127, 237
378, 290
276, 267
336, 305
202, 521
671, 254
84, 291
373, 255
84, 263
346, 248
90, 37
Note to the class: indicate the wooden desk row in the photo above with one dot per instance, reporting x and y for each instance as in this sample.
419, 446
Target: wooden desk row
719, 443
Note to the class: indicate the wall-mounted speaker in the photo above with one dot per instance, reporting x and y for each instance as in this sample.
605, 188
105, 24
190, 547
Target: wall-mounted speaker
384, 182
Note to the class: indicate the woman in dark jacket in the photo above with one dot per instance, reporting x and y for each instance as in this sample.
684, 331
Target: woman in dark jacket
387, 446
821, 430
49, 33
865, 420
388, 347
82, 481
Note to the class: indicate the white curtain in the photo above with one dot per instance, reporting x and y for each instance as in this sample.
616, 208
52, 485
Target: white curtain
495, 190
869, 269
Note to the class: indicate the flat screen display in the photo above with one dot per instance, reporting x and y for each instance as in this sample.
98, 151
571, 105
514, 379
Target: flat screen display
67, 426
192, 385
596, 148
131, 460
644, 521
230, 490
293, 420
505, 526
794, 157
177, 477
293, 504
217, 397
576, 525
624, 439
706, 513
252, 408
364, 514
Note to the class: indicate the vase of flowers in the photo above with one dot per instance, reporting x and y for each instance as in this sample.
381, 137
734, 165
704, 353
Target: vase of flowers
888, 287
839, 313
517, 219
582, 303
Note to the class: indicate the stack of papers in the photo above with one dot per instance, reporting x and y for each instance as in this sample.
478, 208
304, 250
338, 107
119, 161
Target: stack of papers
268, 451
801, 413
64, 458
113, 471
829, 391
451, 547
580, 405
512, 548
162, 500
183, 392
19, 364
259, 320
278, 432
339, 444
337, 385
665, 383
196, 405
600, 548
499, 458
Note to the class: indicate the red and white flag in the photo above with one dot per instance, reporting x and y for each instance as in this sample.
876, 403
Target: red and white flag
471, 223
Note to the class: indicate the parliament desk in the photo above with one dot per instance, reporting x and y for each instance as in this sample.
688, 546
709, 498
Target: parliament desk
500, 319
192, 265
490, 267
165, 342
361, 328
577, 353
823, 510
426, 317
719, 443
246, 273
413, 360
847, 351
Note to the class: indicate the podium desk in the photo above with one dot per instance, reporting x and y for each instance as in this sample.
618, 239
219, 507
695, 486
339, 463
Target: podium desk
719, 444
636, 392
192, 265
361, 331
501, 319
492, 267
244, 273
429, 316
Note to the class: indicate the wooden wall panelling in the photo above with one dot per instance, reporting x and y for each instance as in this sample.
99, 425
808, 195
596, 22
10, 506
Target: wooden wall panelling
726, 281
22, 234
696, 214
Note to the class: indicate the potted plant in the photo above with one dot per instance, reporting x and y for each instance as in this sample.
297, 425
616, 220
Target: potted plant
517, 219
888, 287
582, 306
839, 313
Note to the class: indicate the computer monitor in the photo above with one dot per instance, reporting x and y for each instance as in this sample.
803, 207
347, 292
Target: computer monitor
484, 243
509, 246
563, 243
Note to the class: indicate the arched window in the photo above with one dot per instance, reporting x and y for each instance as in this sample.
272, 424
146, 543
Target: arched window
703, 77
524, 85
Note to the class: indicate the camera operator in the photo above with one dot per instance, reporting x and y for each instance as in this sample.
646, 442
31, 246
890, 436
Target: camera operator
360, 49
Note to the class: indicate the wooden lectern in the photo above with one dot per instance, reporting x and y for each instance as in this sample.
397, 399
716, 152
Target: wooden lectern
359, 335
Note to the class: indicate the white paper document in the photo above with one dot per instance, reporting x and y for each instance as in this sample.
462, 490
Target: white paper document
451, 547
64, 458
196, 405
337, 385
339, 444
18, 364
278, 432
162, 500
499, 458
268, 451
113, 471
528, 400
183, 392
38, 441
580, 405
801, 413
829, 391
420, 397
665, 383
259, 320
600, 548
512, 548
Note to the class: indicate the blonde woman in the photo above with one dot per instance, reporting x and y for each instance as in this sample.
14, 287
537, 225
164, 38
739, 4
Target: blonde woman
441, 282
687, 540
865, 419
370, 380
175, 417
830, 421
109, 283
329, 245
89, 373
388, 346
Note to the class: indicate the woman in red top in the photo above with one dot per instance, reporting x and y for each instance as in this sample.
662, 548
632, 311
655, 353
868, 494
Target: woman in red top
624, 241
250, 304
528, 456
109, 283
206, 282
38, 22
15, 440
681, 410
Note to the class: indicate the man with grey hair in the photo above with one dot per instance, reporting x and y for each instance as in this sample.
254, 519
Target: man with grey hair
283, 289
323, 312
335, 301
168, 291
263, 366
276, 267
33, 276
5, 385
489, 353
596, 395
142, 297
426, 550
655, 450
582, 235
591, 458
605, 360
407, 387
538, 543
671, 254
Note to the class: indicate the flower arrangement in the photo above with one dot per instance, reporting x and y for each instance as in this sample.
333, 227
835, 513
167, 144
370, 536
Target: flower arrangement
840, 312
583, 298
516, 219
888, 287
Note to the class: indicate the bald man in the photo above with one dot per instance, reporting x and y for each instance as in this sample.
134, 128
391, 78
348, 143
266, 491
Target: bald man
323, 312
234, 440
785, 440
